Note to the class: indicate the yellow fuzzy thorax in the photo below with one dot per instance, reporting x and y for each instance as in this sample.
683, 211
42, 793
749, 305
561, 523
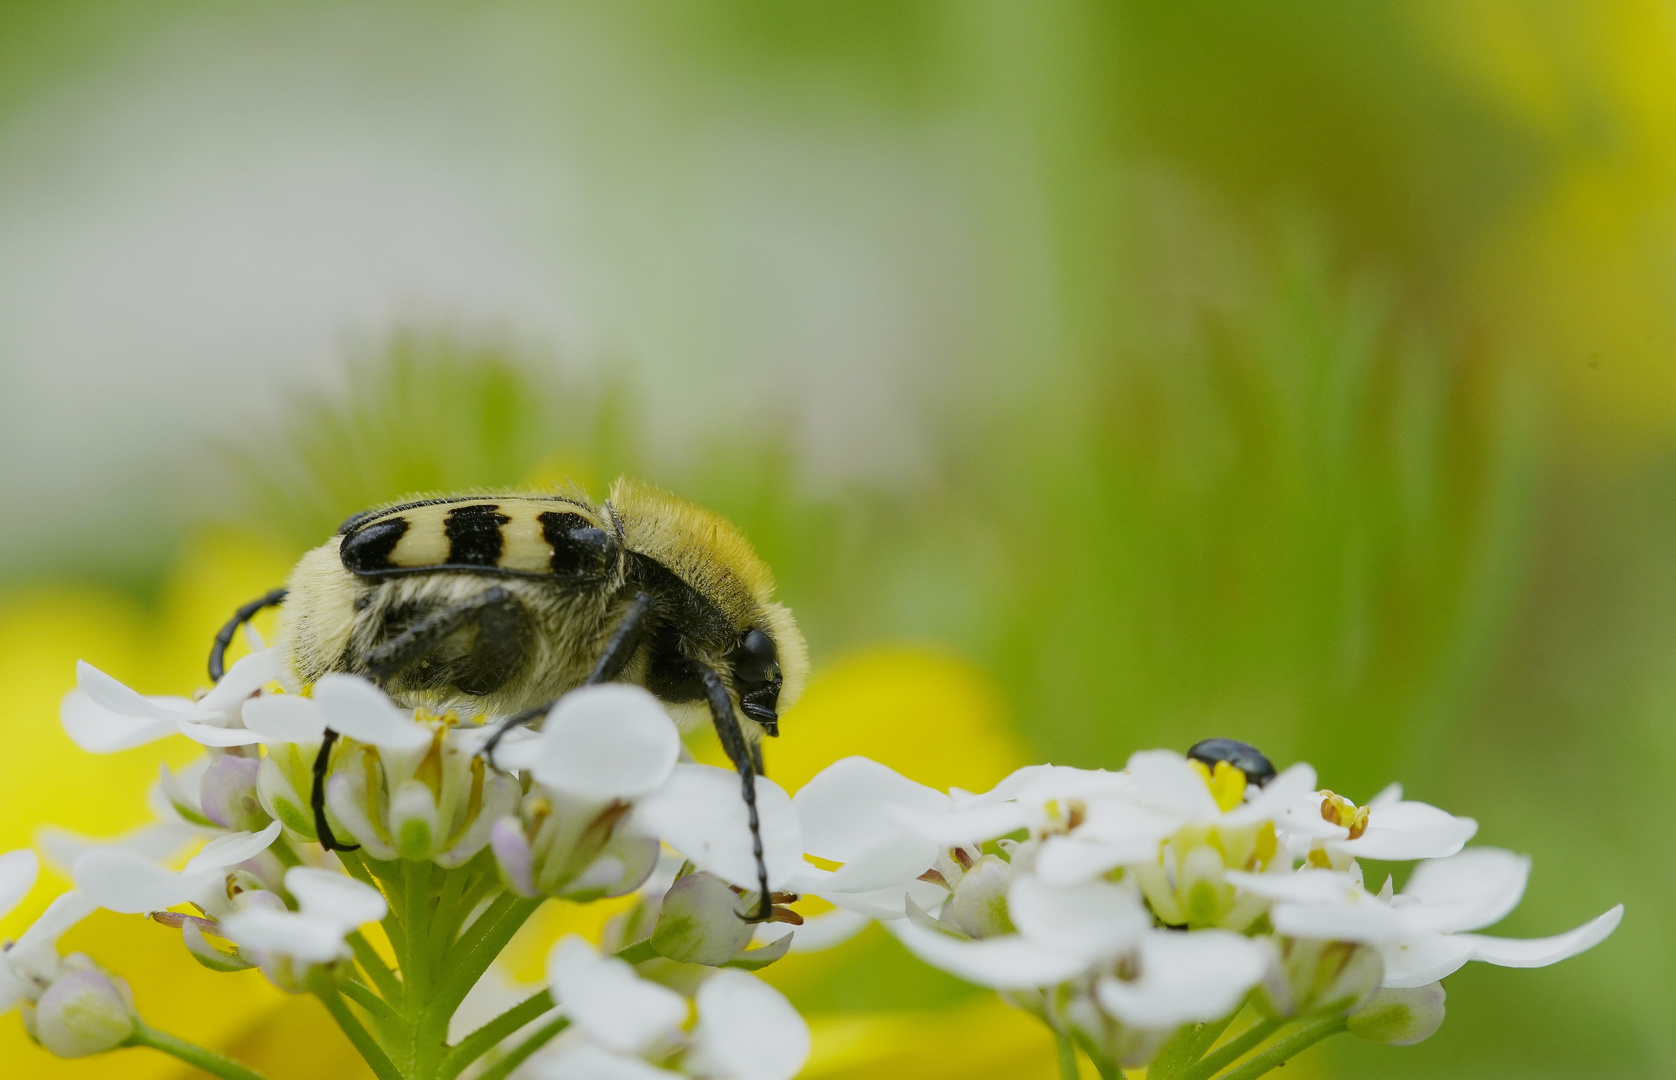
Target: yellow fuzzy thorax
699, 546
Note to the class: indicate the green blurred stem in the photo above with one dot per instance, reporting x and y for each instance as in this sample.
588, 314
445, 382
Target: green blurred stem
639, 952
198, 1057
365, 1044
1067, 1055
501, 1069
1236, 1047
1283, 1051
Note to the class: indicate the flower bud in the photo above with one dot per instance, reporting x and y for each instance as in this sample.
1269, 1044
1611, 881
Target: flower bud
700, 922
227, 793
513, 855
978, 906
83, 1012
283, 775
1400, 1016
1308, 976
413, 820
559, 845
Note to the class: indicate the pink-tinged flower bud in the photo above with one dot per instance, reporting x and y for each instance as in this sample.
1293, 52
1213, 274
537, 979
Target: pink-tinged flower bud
700, 922
513, 855
1400, 1016
228, 795
83, 1012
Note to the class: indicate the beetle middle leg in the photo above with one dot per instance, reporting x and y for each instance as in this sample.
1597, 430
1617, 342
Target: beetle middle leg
624, 640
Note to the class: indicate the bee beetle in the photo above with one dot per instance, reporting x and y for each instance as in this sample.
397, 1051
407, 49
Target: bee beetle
499, 604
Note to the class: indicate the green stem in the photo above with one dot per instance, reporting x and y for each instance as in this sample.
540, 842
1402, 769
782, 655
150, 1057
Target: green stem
639, 952
191, 1053
365, 1044
465, 968
1205, 1038
501, 1069
1281, 1052
415, 958
447, 913
1174, 1056
375, 1006
471, 935
1067, 1055
1236, 1048
487, 1037
375, 967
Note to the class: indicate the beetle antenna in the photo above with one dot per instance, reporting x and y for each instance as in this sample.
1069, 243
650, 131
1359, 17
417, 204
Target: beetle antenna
738, 751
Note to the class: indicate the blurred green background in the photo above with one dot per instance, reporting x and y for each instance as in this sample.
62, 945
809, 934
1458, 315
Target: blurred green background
1298, 371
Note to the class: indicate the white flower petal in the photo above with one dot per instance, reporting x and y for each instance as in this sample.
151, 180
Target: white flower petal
337, 898
1410, 830
232, 849
603, 996
884, 903
516, 751
284, 718
828, 929
1094, 920
124, 882
1306, 886
1363, 919
1273, 801
746, 1030
107, 693
843, 810
354, 707
99, 730
607, 742
262, 929
1070, 860
970, 822
158, 842
14, 991
1423, 958
1473, 889
1062, 783
700, 813
893, 861
18, 871
586, 1061
215, 734
1185, 978
65, 911
1164, 779
248, 675
1540, 952
1115, 818
1012, 962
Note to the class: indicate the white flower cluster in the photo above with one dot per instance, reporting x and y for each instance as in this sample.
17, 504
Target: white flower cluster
1124, 906
1136, 912
582, 809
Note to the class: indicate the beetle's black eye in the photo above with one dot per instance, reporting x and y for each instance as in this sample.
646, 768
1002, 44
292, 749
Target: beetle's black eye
756, 661
1242, 756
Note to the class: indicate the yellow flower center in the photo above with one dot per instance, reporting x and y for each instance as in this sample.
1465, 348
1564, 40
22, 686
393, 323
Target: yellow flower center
1226, 783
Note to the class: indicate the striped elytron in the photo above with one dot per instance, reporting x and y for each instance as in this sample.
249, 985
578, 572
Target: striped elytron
497, 604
